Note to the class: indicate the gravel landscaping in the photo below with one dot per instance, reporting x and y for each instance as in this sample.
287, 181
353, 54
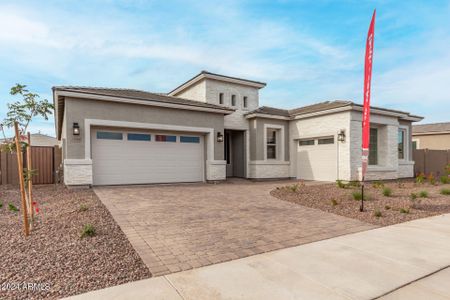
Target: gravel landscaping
55, 256
408, 200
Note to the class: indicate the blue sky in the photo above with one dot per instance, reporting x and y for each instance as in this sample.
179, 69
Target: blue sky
306, 51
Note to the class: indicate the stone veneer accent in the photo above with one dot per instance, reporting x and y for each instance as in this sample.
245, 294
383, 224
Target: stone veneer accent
268, 169
77, 172
216, 170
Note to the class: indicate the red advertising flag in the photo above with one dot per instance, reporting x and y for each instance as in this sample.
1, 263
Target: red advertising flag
366, 109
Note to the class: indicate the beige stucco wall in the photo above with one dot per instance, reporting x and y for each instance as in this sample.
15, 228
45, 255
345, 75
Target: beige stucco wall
80, 109
257, 134
195, 92
433, 141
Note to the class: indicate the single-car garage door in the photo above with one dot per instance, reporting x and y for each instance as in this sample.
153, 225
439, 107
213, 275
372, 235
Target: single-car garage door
317, 159
128, 157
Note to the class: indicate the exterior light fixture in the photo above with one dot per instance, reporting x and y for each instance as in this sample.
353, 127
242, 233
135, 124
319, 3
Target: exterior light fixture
341, 135
219, 137
76, 129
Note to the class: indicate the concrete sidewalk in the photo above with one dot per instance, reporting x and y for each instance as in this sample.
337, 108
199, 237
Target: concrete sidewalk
363, 265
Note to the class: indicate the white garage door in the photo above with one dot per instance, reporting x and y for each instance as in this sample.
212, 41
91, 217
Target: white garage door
317, 159
127, 157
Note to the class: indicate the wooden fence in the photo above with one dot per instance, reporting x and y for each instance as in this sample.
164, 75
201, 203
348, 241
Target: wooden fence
45, 160
431, 161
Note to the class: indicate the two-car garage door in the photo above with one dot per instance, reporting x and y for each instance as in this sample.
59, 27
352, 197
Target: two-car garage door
317, 159
133, 157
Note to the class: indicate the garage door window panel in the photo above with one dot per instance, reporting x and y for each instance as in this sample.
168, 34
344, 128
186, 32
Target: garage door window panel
139, 137
106, 135
325, 141
190, 139
166, 138
306, 142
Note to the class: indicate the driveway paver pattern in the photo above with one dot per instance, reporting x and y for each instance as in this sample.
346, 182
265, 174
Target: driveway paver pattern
179, 227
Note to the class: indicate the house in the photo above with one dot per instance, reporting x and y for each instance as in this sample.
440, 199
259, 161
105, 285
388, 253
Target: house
40, 140
211, 127
432, 136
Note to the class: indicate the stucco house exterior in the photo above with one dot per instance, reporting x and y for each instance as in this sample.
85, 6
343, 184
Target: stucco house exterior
435, 136
211, 127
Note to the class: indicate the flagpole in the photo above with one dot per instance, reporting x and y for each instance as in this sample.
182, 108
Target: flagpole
361, 208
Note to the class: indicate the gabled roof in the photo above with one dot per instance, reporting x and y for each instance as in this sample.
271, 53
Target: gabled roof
138, 95
205, 74
431, 128
324, 107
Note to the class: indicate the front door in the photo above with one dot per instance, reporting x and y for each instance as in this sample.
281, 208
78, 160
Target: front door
234, 149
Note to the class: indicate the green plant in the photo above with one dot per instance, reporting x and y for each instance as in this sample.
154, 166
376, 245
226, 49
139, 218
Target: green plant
12, 207
88, 230
83, 207
404, 210
1, 204
387, 192
445, 191
420, 178
334, 202
294, 188
413, 196
387, 207
377, 184
341, 184
354, 183
445, 179
377, 213
431, 179
423, 194
357, 195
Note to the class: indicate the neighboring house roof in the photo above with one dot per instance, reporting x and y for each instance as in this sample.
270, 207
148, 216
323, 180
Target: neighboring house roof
215, 76
39, 139
324, 107
433, 128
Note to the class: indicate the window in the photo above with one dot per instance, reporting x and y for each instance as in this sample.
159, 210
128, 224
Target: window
220, 98
401, 143
233, 100
306, 142
373, 151
139, 137
189, 139
326, 141
414, 145
106, 135
244, 101
165, 138
271, 136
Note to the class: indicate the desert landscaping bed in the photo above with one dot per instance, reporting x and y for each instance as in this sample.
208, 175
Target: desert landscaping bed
408, 200
55, 255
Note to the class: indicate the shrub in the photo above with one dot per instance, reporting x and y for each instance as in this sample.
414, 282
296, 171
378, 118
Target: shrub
445, 191
354, 183
387, 207
387, 192
431, 179
404, 210
413, 196
83, 207
294, 188
420, 178
12, 207
423, 194
334, 202
377, 213
377, 184
445, 179
341, 184
1, 204
88, 230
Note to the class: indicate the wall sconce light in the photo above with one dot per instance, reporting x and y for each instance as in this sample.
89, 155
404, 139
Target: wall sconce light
219, 137
341, 135
76, 129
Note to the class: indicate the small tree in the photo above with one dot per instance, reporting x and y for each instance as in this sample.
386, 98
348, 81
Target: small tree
19, 115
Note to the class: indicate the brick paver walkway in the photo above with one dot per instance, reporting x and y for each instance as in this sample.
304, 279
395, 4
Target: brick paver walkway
179, 227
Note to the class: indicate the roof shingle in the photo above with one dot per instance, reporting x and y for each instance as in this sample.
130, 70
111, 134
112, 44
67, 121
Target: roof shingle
434, 127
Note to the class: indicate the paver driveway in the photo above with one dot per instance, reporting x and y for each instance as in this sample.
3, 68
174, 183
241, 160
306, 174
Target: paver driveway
179, 227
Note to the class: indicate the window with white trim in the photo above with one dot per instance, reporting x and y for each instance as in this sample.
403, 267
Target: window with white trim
233, 100
244, 102
220, 98
271, 143
401, 143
